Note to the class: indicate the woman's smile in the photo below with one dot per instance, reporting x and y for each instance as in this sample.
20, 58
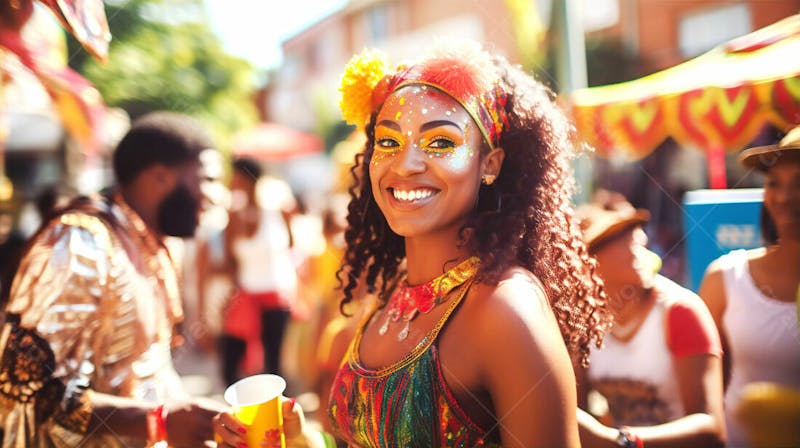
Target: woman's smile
412, 196
423, 168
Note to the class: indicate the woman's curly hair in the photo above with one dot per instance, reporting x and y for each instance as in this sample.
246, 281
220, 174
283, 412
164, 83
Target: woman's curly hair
533, 226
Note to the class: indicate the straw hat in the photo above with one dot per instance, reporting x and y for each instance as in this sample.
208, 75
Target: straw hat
763, 158
606, 217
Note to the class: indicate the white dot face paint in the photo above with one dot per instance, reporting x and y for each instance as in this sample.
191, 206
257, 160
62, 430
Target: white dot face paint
424, 169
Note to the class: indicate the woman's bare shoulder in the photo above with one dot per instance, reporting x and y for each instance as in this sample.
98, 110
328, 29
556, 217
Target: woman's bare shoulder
517, 338
515, 307
515, 285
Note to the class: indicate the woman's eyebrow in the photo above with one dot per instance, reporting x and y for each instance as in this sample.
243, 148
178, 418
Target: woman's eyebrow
389, 124
438, 123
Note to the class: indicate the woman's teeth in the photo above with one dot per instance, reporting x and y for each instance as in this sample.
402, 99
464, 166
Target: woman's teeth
411, 195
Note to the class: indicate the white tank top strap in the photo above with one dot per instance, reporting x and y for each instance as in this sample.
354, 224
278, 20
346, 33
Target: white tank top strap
733, 266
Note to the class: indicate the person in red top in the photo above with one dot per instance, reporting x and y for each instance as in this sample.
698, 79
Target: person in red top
660, 369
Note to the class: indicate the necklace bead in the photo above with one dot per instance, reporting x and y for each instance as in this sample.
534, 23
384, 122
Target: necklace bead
407, 302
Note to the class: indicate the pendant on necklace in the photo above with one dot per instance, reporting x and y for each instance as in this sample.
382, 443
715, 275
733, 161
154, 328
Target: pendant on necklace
408, 302
385, 327
404, 332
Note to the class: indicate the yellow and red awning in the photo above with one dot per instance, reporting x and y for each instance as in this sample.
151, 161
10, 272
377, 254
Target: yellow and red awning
717, 101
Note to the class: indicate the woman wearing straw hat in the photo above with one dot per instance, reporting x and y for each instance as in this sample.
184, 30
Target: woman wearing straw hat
752, 294
661, 369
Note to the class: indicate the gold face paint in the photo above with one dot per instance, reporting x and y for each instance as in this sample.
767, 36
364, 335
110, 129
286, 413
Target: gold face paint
439, 142
388, 142
419, 147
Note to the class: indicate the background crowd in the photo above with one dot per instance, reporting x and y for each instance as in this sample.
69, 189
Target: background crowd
450, 225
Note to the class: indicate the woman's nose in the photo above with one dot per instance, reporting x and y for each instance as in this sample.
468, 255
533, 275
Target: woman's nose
409, 161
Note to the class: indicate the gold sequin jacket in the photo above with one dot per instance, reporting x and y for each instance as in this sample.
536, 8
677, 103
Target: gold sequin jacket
92, 309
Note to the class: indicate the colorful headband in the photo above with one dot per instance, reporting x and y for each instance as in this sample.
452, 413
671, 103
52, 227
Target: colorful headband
466, 73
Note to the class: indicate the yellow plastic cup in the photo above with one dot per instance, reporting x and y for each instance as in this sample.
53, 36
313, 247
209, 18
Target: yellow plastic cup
256, 402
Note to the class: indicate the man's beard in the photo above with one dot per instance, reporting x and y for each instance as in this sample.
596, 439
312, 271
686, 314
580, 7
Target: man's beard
177, 213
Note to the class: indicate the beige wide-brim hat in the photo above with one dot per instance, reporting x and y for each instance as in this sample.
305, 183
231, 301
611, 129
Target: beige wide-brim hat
601, 221
763, 158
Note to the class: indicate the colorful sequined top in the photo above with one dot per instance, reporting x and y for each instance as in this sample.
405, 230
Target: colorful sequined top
407, 404
92, 309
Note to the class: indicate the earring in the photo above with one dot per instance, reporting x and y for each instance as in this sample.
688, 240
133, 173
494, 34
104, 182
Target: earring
488, 179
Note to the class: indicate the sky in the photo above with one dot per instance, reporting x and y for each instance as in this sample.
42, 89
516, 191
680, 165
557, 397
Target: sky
254, 29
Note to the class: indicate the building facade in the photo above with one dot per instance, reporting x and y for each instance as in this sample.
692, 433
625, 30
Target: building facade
303, 91
659, 33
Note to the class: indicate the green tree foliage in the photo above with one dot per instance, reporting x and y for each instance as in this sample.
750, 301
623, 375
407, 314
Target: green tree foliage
163, 56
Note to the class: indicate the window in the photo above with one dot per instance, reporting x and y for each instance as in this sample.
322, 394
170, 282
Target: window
698, 33
377, 24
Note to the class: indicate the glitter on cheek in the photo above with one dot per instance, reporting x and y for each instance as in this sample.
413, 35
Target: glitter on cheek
397, 116
402, 100
378, 157
459, 159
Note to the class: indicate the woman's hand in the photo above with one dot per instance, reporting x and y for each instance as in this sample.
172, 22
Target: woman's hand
294, 422
228, 431
231, 432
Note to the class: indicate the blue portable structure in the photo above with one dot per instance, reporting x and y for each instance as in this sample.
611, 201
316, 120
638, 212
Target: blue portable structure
717, 222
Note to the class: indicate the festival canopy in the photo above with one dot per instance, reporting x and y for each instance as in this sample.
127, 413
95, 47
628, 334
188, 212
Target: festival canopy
30, 44
86, 20
716, 102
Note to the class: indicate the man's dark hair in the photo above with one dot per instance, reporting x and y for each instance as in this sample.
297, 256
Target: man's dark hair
167, 138
248, 167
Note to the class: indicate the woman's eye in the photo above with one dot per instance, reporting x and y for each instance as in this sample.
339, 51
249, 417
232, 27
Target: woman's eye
387, 144
441, 143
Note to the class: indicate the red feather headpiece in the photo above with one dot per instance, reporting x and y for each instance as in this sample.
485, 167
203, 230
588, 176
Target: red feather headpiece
463, 71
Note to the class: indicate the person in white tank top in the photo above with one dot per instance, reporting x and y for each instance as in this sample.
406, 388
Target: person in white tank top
660, 369
753, 297
260, 264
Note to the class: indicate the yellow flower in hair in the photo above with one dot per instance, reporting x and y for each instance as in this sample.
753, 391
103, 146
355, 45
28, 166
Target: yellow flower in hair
360, 77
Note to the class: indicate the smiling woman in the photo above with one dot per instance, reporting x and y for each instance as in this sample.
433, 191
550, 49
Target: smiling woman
465, 178
752, 295
424, 169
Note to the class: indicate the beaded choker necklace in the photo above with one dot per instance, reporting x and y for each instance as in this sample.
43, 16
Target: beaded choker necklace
408, 301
